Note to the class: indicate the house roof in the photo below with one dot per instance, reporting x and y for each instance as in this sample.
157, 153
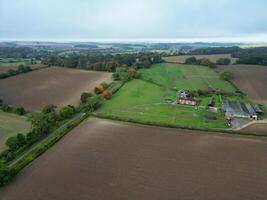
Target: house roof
182, 94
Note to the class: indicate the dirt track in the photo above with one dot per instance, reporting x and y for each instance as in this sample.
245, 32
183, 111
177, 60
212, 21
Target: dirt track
58, 86
103, 159
252, 79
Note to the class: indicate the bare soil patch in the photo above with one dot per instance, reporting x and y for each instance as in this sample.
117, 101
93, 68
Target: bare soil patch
256, 128
252, 79
58, 86
103, 159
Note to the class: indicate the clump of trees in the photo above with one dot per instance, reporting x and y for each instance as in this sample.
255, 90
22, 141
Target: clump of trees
257, 55
215, 50
42, 124
223, 61
12, 72
103, 62
6, 108
15, 142
67, 112
227, 75
100, 88
92, 103
125, 74
203, 62
85, 96
6, 173
107, 94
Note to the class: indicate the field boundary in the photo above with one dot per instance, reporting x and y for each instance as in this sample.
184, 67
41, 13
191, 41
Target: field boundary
32, 70
36, 151
149, 123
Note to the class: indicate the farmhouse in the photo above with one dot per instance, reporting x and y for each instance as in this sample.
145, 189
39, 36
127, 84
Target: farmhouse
237, 109
183, 97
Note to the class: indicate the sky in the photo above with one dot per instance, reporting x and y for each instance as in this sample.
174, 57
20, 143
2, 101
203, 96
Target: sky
133, 20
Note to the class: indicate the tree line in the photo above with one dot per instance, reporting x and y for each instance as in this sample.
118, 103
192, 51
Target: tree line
50, 118
12, 72
257, 55
103, 62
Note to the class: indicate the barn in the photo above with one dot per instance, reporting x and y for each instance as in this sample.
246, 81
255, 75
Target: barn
237, 109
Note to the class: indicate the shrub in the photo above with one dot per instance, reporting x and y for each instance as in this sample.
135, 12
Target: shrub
12, 143
85, 96
223, 61
66, 112
107, 94
5, 175
99, 89
191, 61
20, 111
227, 75
206, 62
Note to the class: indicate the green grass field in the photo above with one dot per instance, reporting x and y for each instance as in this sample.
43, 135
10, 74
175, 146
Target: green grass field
11, 124
145, 102
190, 77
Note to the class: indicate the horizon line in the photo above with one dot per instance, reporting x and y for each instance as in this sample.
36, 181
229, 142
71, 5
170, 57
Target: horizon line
259, 39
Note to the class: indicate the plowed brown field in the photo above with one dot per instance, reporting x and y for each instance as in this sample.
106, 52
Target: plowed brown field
104, 159
58, 86
252, 79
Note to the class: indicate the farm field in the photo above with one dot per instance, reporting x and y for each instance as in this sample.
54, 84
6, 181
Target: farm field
213, 58
145, 102
12, 62
11, 124
191, 77
257, 128
252, 79
58, 86
114, 160
4, 69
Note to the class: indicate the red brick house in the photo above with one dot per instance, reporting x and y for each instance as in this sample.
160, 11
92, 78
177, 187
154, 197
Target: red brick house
184, 98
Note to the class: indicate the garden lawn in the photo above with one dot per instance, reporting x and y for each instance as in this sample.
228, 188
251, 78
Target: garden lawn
189, 77
11, 124
145, 102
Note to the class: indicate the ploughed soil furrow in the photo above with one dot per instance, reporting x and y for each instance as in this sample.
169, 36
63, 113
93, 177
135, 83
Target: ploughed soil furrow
103, 159
58, 86
252, 79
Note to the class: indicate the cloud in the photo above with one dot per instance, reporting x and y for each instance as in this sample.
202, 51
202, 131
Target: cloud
82, 19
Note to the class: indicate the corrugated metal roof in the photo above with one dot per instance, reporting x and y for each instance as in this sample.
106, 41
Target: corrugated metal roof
238, 108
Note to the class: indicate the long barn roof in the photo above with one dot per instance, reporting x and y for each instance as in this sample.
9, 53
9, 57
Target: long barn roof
238, 108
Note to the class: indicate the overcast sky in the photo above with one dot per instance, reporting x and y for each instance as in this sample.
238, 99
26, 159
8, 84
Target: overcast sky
87, 20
